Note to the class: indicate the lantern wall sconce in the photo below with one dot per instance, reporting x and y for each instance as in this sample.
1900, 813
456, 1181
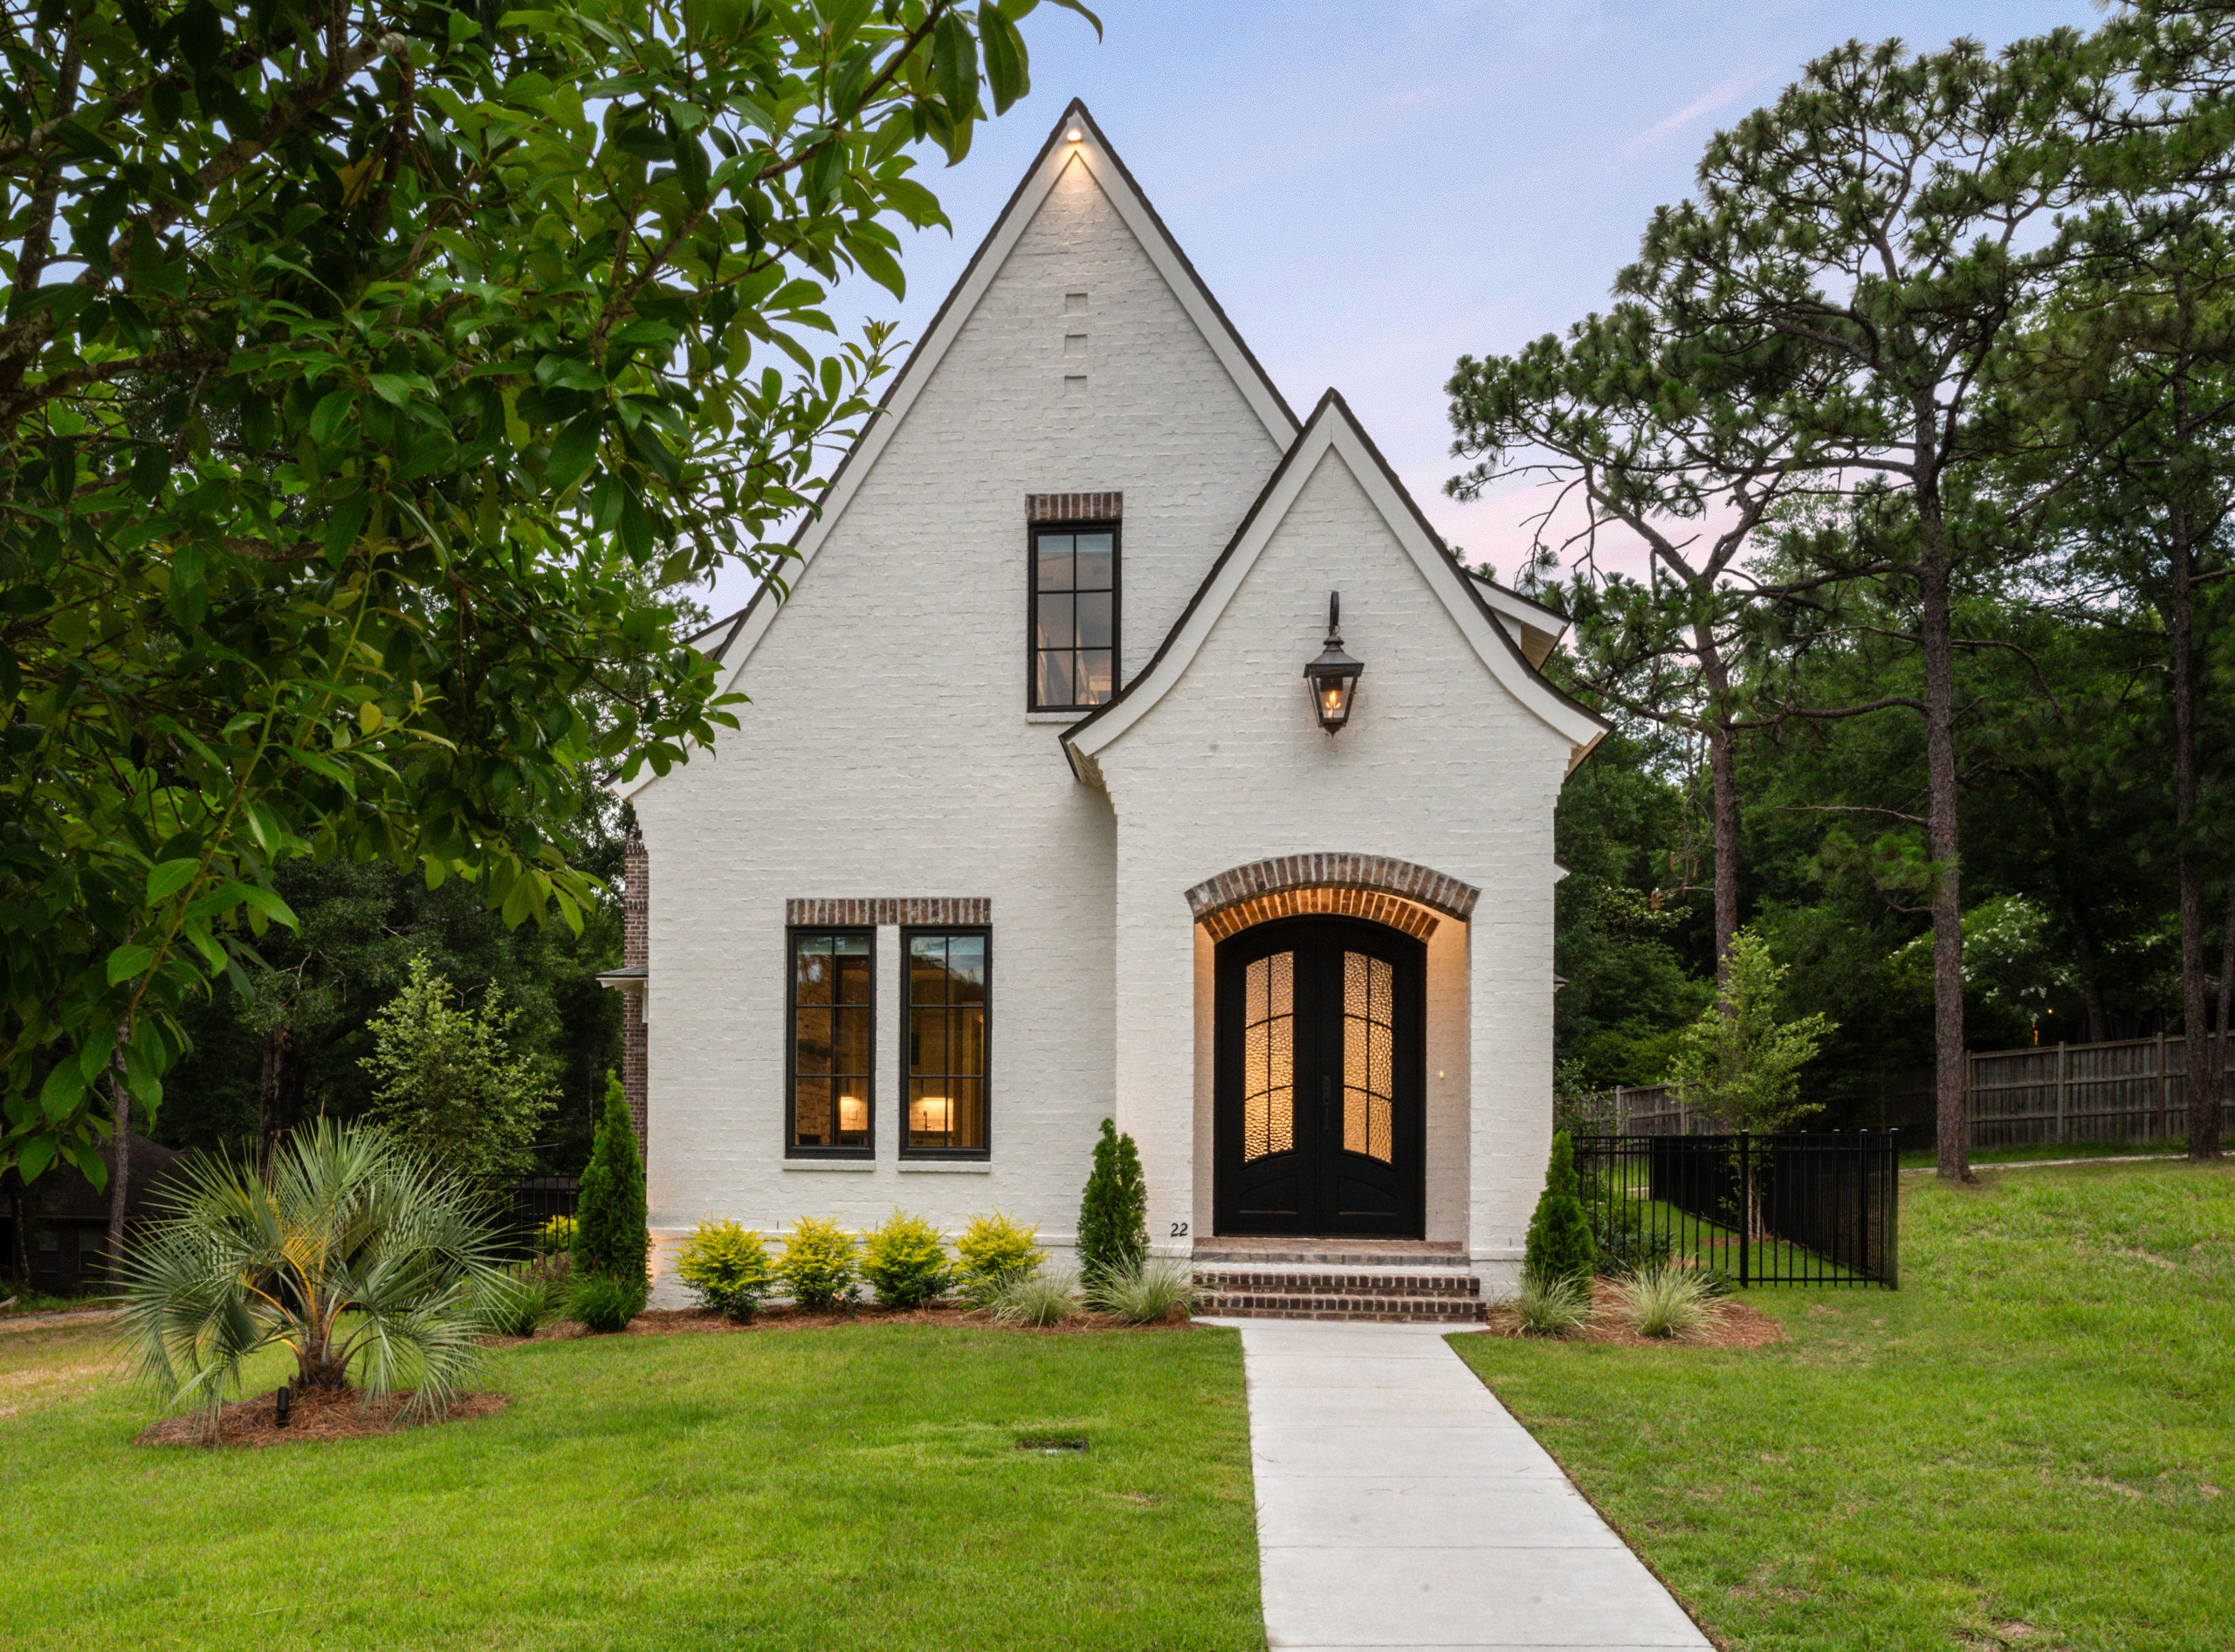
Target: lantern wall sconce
1334, 676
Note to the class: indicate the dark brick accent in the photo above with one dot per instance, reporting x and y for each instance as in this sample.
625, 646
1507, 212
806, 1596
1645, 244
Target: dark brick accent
864, 912
1285, 885
636, 948
1073, 507
1416, 921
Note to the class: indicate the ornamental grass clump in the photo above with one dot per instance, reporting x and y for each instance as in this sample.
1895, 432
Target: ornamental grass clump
991, 1250
1668, 1301
818, 1264
905, 1262
1042, 1299
605, 1303
520, 1300
726, 1266
1552, 1307
351, 1251
1154, 1289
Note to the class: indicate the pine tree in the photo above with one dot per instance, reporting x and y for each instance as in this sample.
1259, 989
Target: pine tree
609, 1232
1559, 1235
1113, 1212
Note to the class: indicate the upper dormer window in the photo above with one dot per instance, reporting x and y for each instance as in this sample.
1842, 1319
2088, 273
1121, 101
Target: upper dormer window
1074, 612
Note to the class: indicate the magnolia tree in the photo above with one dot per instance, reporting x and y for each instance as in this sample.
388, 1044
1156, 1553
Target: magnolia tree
360, 367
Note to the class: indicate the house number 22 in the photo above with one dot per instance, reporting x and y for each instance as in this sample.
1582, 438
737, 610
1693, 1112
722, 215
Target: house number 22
1178, 1230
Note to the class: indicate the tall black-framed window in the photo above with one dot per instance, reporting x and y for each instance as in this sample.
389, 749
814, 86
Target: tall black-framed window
831, 1062
1075, 590
946, 991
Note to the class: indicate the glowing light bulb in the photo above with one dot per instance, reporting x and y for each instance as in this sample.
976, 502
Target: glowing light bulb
1075, 134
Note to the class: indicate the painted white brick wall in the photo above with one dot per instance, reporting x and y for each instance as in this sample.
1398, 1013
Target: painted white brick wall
1439, 765
887, 751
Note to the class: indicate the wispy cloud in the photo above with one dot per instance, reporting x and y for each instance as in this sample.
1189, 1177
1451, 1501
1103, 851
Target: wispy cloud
1716, 97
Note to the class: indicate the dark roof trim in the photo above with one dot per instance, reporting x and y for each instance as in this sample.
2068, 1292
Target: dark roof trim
1202, 588
1560, 621
1330, 401
1076, 109
1472, 583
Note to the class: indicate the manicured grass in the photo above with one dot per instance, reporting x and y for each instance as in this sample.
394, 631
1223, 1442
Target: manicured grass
1925, 1158
28, 1301
855, 1487
2030, 1444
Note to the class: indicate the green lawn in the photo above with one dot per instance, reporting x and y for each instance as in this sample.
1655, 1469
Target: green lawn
2032, 1445
1924, 1157
850, 1488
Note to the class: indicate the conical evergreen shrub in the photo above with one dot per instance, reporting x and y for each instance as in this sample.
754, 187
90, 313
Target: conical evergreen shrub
1113, 1212
1560, 1246
609, 1232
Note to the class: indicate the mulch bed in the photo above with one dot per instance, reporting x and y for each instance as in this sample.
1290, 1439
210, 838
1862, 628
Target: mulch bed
312, 1416
1734, 1326
666, 1322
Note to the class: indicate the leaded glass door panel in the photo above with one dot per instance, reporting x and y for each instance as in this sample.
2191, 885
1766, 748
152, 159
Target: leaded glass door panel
1319, 1125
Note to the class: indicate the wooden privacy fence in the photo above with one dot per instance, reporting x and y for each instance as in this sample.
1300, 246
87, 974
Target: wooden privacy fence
2128, 1090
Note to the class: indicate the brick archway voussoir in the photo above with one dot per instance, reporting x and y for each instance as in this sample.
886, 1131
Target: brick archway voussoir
1389, 890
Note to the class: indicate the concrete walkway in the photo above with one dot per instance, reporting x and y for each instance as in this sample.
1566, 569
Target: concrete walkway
1399, 1505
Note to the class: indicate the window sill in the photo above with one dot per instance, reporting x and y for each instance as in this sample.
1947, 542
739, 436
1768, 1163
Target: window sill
946, 1167
1054, 717
856, 1165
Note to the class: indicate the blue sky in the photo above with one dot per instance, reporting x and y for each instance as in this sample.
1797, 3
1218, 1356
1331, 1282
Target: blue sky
1374, 186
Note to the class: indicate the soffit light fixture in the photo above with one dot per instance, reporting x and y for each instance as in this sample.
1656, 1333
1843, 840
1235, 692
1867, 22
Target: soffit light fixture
1074, 134
1334, 675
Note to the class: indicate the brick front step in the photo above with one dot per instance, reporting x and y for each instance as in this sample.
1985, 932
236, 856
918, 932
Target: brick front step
1256, 1305
1422, 1291
1392, 1254
1282, 1282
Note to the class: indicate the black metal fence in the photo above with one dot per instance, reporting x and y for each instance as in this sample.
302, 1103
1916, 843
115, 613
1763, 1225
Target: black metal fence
1792, 1209
532, 1203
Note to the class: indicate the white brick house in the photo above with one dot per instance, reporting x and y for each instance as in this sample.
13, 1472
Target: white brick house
1031, 819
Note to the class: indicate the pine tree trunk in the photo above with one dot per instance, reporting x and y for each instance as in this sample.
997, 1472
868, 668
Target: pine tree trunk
1943, 834
2203, 1103
120, 1180
279, 1095
1722, 799
2226, 998
1723, 768
2076, 918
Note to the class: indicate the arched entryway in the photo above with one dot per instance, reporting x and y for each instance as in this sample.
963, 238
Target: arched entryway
1320, 1112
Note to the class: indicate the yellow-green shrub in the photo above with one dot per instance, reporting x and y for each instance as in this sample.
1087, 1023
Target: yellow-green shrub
995, 1249
726, 1265
905, 1262
555, 1236
818, 1264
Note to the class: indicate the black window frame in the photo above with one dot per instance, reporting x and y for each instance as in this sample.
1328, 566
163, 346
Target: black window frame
985, 1081
791, 1149
1115, 527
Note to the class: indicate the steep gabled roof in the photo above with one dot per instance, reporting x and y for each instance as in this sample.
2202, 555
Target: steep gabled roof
1464, 596
729, 639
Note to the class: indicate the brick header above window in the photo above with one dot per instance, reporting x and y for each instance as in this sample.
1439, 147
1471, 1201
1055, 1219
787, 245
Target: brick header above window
870, 911
1073, 507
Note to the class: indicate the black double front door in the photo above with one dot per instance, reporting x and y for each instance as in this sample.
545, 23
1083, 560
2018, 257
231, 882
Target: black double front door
1320, 1112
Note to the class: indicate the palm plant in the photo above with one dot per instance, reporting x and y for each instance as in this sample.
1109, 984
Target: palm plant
352, 1251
